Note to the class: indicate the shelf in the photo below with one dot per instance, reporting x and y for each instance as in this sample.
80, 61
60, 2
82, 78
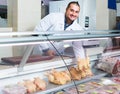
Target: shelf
40, 69
35, 67
51, 87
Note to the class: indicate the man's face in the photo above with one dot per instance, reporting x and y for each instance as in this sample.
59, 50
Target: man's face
72, 12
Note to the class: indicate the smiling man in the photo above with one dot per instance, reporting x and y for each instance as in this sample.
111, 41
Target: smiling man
59, 22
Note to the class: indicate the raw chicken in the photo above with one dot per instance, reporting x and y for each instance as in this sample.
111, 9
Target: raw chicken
40, 84
66, 75
75, 74
84, 67
31, 87
57, 77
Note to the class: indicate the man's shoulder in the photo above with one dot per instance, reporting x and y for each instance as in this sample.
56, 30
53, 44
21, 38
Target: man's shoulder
77, 25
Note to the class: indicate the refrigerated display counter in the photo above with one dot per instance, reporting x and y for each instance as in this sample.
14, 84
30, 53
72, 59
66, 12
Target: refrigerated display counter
47, 74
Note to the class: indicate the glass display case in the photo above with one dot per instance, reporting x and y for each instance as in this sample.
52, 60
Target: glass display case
25, 67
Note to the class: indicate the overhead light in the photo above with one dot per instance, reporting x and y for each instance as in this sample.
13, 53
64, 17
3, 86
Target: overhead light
20, 44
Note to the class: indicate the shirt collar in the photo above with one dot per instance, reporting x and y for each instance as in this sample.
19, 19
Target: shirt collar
65, 24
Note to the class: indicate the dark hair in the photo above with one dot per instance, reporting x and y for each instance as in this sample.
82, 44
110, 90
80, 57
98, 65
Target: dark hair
73, 2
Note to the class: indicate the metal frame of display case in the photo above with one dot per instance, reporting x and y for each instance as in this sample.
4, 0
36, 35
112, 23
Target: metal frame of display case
55, 36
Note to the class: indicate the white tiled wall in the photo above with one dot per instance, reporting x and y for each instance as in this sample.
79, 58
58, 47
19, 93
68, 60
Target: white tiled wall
105, 18
23, 15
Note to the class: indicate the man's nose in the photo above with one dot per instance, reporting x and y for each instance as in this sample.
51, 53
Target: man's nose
74, 13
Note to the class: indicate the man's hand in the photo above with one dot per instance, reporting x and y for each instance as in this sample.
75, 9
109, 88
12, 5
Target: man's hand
50, 53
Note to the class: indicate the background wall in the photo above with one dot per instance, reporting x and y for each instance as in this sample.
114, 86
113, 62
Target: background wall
23, 15
105, 18
118, 9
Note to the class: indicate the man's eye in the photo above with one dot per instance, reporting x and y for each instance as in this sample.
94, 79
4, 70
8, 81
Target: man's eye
74, 11
77, 11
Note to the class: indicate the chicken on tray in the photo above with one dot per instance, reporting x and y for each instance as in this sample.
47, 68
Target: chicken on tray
33, 85
40, 84
58, 77
75, 73
83, 67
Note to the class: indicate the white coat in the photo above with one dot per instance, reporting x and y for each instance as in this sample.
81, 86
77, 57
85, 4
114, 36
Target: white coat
55, 22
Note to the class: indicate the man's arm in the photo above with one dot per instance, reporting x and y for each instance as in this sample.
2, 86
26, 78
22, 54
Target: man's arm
49, 52
79, 51
44, 25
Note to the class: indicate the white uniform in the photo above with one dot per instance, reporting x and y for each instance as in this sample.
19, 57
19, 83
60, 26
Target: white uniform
55, 22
